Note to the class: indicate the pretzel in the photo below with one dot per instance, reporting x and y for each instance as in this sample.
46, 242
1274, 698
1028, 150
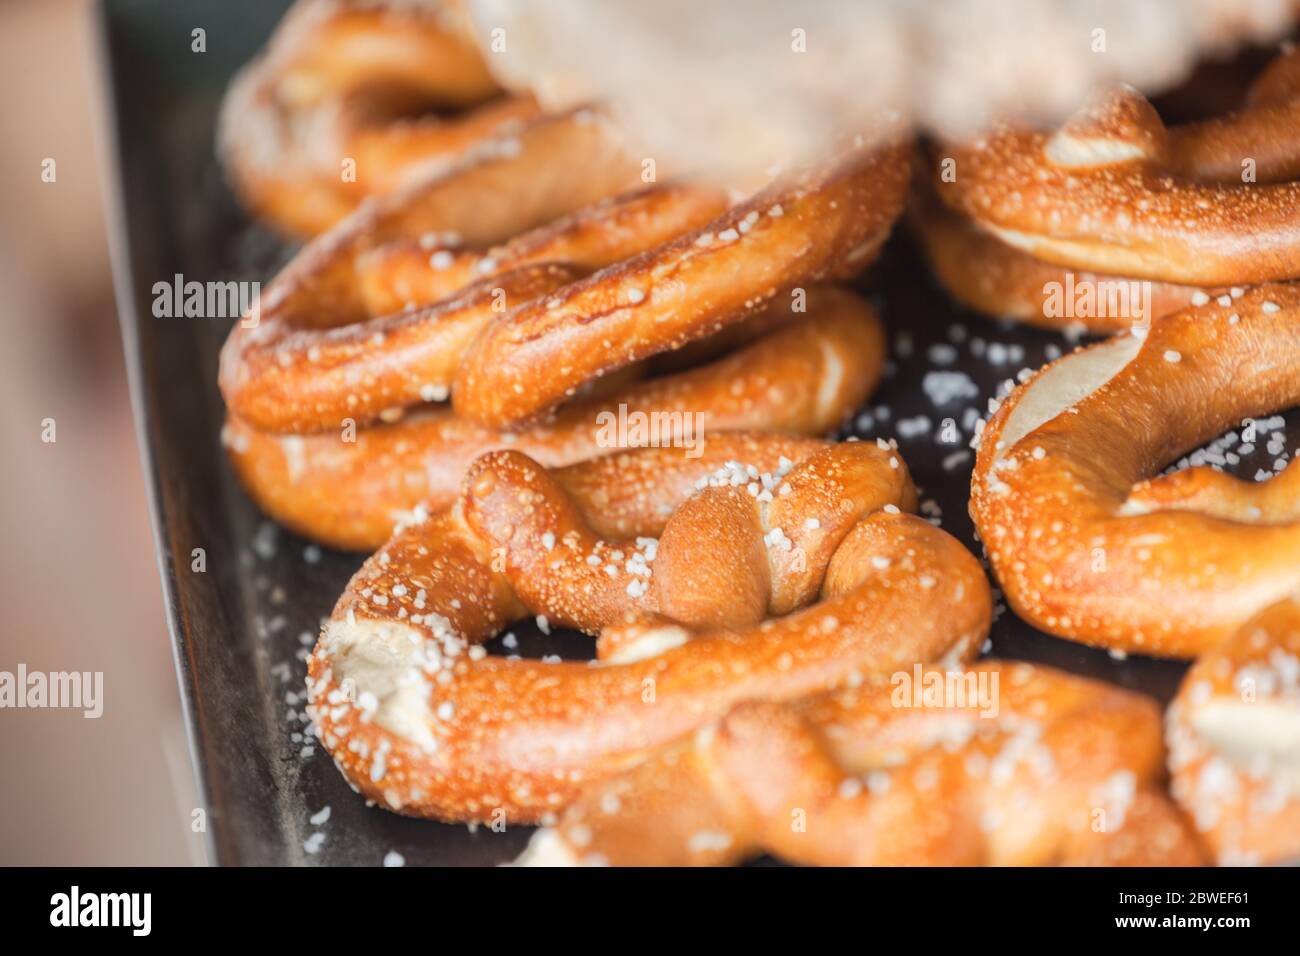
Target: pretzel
802, 376
383, 315
988, 275
420, 718
1086, 541
672, 269
351, 86
1118, 194
1233, 731
1048, 769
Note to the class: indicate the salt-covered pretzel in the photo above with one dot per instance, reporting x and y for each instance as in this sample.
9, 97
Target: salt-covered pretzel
1086, 541
1117, 193
1234, 740
803, 376
999, 280
344, 104
420, 718
826, 223
1003, 764
333, 342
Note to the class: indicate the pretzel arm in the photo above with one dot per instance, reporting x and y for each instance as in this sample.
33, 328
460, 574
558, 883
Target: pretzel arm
1202, 489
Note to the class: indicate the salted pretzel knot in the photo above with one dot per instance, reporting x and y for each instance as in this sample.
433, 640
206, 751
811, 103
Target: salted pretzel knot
679, 564
353, 97
403, 304
1116, 192
1002, 764
1089, 545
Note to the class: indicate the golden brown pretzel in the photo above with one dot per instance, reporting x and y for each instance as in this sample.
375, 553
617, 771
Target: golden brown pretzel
803, 376
1003, 764
675, 265
1086, 542
1118, 196
1234, 740
989, 276
419, 718
342, 105
827, 223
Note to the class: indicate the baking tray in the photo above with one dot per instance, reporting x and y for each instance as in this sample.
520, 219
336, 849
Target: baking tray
241, 628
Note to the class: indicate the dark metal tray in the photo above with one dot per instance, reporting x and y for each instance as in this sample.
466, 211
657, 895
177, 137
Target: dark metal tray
241, 628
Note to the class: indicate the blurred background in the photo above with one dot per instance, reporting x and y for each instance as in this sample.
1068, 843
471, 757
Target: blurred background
77, 560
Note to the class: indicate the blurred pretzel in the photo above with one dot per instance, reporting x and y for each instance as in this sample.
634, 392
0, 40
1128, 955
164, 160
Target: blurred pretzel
770, 568
1049, 769
1119, 197
1234, 740
353, 97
